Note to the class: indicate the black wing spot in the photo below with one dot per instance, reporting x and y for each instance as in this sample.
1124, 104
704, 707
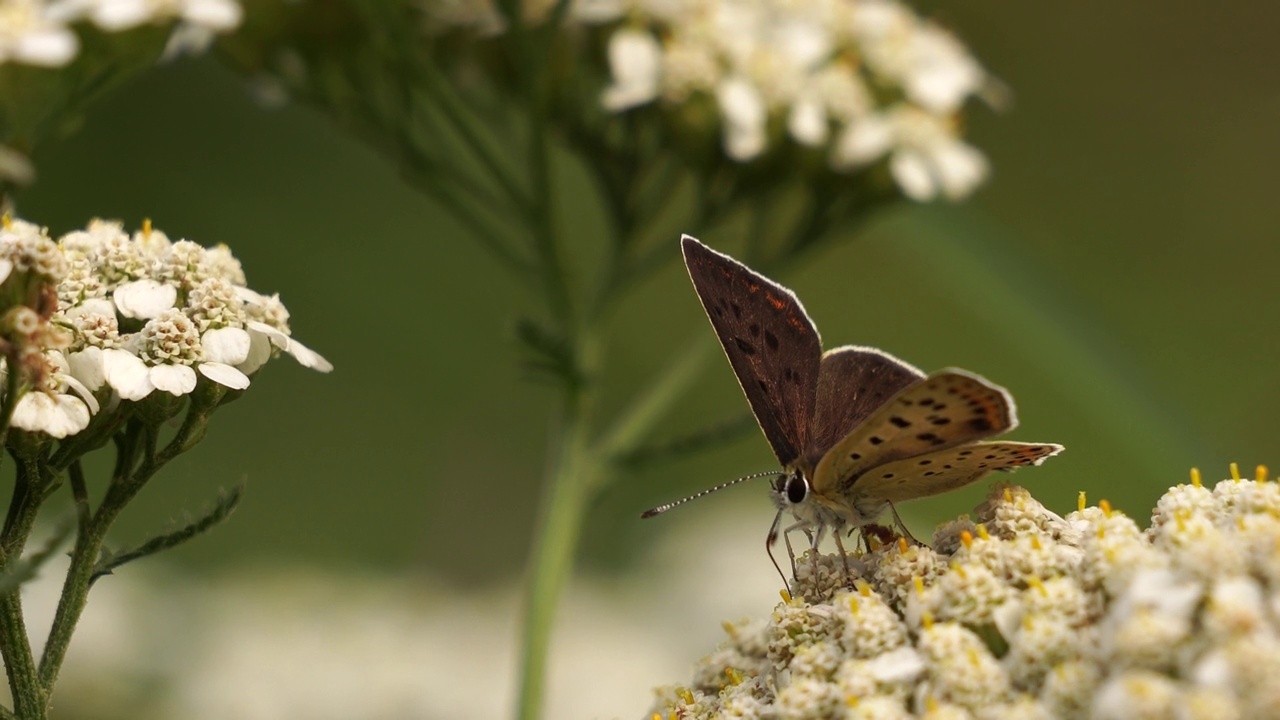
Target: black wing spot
926, 462
855, 456
966, 453
771, 340
931, 438
754, 329
900, 422
888, 476
981, 424
737, 310
939, 421
763, 386
990, 457
744, 347
876, 440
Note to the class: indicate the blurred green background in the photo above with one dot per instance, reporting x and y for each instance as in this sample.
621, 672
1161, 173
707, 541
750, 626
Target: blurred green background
1118, 275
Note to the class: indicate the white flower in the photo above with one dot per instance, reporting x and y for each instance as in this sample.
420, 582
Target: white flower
144, 299
807, 66
745, 117
49, 408
932, 67
114, 15
926, 157
31, 35
166, 354
304, 355
635, 59
15, 166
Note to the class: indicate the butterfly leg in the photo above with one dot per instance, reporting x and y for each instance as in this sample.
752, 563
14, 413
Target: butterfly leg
844, 558
772, 539
901, 526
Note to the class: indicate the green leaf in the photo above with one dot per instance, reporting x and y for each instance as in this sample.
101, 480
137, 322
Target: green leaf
695, 442
547, 352
221, 510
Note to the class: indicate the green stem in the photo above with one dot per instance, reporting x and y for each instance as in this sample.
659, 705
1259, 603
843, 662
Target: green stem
19, 664
560, 523
84, 558
15, 645
75, 591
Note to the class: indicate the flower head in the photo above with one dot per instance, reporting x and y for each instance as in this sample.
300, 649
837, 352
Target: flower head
154, 314
858, 81
1024, 613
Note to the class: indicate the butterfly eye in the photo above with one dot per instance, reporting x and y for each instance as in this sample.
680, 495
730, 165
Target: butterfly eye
797, 489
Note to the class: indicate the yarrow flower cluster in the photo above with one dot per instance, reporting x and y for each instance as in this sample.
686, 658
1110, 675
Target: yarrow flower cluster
857, 80
1024, 614
39, 32
101, 316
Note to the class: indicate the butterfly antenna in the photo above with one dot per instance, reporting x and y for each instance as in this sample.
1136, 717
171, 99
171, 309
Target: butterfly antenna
663, 508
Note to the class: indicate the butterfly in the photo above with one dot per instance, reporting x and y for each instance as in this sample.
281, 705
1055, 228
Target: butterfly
855, 429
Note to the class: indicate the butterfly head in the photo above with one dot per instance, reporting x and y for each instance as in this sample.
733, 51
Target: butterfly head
790, 490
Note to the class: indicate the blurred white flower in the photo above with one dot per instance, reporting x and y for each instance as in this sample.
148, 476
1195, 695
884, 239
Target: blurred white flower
116, 15
926, 156
807, 67
38, 32
635, 59
32, 34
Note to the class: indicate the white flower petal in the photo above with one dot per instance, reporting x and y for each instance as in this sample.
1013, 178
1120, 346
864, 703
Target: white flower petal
745, 118
911, 171
86, 367
6, 267
144, 299
92, 306
127, 374
863, 141
217, 15
16, 167
259, 353
224, 375
74, 415
50, 47
307, 357
112, 15
808, 122
635, 60
58, 416
226, 345
174, 379
277, 338
85, 394
960, 168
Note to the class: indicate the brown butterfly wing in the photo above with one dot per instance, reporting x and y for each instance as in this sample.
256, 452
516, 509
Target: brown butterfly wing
938, 472
772, 345
946, 409
853, 382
